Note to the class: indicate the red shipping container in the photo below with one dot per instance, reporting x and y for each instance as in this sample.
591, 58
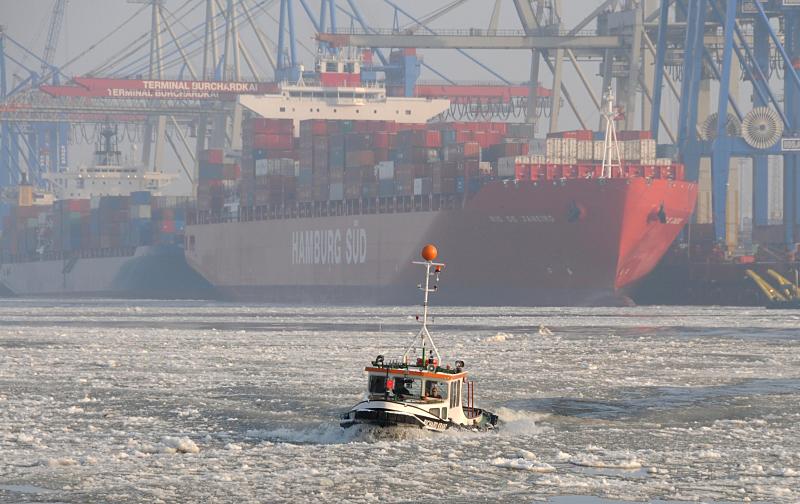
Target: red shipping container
342, 79
380, 140
569, 171
634, 135
427, 138
272, 141
553, 171
471, 150
264, 125
538, 172
76, 205
522, 171
589, 171
463, 136
212, 156
480, 138
168, 226
634, 170
317, 127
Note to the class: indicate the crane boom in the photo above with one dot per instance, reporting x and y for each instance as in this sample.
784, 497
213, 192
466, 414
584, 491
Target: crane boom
791, 290
769, 291
56, 20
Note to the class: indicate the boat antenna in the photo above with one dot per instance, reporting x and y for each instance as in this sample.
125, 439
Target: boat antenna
611, 156
429, 253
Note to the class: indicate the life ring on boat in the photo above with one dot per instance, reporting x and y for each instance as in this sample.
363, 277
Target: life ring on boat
431, 368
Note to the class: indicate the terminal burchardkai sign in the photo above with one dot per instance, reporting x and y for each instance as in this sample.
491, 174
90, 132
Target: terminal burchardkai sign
89, 87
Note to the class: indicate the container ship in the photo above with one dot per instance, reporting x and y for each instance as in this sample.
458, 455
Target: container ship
329, 209
104, 231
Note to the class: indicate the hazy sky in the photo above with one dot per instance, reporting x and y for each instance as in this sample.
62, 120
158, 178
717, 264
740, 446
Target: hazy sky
87, 21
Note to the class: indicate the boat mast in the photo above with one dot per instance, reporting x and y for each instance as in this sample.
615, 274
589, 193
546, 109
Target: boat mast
429, 254
611, 156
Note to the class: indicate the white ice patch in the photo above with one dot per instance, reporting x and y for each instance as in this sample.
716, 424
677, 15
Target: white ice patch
179, 445
523, 464
499, 337
60, 462
606, 460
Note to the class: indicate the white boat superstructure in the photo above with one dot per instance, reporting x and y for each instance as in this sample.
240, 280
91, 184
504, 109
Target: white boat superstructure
423, 392
302, 102
107, 176
339, 93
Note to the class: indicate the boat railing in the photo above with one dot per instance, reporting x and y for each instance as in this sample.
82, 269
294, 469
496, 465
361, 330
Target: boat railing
67, 255
339, 208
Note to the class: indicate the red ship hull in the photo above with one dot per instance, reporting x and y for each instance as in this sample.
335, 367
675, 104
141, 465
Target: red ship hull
563, 242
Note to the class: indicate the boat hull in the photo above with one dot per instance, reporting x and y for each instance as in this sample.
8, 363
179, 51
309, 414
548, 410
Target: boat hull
395, 414
145, 272
568, 242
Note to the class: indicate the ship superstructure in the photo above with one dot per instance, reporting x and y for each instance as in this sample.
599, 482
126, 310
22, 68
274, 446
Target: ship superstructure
108, 175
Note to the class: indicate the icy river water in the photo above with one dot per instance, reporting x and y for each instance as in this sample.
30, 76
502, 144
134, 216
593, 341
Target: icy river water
140, 401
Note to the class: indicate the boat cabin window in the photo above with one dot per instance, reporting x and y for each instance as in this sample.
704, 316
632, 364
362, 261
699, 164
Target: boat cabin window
407, 387
377, 384
436, 389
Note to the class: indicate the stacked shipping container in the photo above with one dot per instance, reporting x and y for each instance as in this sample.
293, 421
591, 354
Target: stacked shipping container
579, 154
74, 226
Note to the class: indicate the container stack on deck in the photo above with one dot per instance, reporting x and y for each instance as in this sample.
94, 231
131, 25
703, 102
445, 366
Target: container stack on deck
352, 160
75, 226
579, 154
218, 179
268, 161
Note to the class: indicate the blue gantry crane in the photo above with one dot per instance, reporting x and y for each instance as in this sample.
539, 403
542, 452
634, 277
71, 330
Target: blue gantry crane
763, 38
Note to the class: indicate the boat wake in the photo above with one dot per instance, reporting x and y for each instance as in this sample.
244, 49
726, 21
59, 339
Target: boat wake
521, 423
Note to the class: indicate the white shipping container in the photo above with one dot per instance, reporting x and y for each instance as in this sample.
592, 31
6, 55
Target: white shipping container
599, 147
336, 191
663, 161
385, 170
585, 149
569, 148
506, 166
648, 150
553, 148
485, 168
140, 212
261, 167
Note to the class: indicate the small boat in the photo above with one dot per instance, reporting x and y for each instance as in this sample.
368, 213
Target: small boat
419, 390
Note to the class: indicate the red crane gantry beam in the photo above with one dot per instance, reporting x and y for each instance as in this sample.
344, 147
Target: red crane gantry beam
471, 93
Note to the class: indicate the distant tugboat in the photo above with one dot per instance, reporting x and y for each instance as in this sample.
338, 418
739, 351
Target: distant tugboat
425, 393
